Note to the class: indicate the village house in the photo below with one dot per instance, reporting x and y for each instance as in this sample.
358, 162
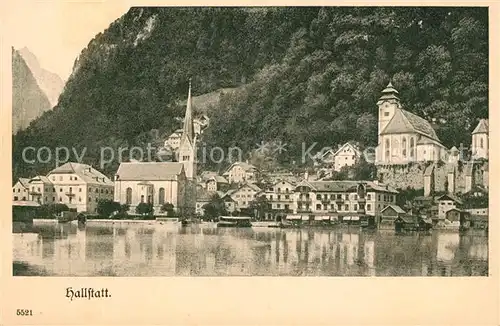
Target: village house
445, 203
213, 182
346, 155
156, 183
77, 185
229, 203
346, 199
480, 140
389, 215
174, 140
280, 198
241, 172
41, 190
244, 195
20, 191
404, 137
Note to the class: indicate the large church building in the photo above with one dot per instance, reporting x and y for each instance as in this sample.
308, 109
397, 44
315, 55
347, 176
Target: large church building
404, 137
159, 183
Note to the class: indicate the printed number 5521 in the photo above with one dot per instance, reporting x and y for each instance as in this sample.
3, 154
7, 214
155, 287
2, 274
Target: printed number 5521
24, 312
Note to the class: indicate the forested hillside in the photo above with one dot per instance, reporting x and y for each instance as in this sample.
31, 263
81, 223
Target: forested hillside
304, 74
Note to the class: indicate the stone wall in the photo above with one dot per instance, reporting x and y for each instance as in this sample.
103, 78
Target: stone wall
412, 175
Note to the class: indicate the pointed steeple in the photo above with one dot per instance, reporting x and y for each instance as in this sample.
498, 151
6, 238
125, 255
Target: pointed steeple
188, 128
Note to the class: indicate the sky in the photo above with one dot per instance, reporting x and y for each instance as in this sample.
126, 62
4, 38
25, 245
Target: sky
56, 31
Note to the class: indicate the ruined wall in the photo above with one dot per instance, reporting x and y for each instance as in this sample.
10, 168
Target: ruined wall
412, 175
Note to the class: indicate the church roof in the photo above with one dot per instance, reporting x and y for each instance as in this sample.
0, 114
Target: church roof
149, 171
405, 122
188, 127
482, 127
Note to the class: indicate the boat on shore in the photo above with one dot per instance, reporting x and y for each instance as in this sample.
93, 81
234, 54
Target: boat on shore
234, 221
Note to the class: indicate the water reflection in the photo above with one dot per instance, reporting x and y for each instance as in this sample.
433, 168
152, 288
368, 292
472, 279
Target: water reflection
163, 250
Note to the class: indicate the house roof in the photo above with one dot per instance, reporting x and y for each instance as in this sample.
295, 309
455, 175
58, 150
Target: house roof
218, 179
396, 208
245, 166
41, 178
24, 182
345, 185
149, 171
449, 197
250, 185
482, 127
87, 173
406, 122
348, 144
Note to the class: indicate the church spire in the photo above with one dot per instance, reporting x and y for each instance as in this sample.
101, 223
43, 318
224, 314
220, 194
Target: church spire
188, 128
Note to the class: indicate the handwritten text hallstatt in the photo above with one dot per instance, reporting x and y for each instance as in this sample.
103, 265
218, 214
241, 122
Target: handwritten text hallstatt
87, 293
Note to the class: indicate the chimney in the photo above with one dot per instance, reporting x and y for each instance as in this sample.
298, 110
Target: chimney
306, 175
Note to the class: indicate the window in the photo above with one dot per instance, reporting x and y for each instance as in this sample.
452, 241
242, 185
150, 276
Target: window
38, 189
481, 143
278, 206
325, 207
53, 198
355, 197
386, 113
60, 199
60, 178
368, 197
24, 198
53, 178
102, 191
142, 198
128, 196
70, 189
96, 199
339, 207
346, 207
368, 207
90, 199
60, 189
279, 189
70, 178
96, 190
149, 199
355, 207
279, 197
79, 198
287, 196
75, 178
90, 189
287, 206
271, 197
13, 190
15, 198
54, 189
318, 197
161, 196
79, 189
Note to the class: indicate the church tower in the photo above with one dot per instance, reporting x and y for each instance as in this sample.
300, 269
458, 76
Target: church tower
387, 106
187, 147
187, 156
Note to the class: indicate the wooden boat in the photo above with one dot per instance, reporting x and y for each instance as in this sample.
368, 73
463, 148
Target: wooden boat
234, 221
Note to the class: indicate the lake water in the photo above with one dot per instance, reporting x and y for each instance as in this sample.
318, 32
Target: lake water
143, 249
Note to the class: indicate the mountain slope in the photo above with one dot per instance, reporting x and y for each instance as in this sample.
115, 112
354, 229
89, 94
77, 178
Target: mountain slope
299, 74
50, 83
28, 100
